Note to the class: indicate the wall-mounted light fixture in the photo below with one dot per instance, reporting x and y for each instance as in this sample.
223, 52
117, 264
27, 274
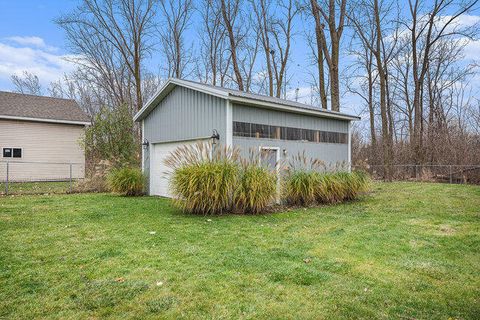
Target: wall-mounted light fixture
145, 144
215, 136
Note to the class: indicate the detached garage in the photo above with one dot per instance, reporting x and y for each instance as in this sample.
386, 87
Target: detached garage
185, 112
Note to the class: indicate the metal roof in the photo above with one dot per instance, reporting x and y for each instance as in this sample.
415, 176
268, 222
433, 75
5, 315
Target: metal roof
255, 100
40, 108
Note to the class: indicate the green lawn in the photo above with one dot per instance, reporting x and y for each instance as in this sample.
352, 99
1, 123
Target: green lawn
408, 250
41, 187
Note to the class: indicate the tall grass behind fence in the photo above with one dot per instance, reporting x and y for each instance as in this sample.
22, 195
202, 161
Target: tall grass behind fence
26, 177
427, 173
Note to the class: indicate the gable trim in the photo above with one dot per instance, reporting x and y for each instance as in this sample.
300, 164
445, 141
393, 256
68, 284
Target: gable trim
80, 123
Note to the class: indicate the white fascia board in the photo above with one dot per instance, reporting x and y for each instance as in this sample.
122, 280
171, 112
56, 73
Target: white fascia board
167, 87
229, 124
349, 147
282, 107
80, 123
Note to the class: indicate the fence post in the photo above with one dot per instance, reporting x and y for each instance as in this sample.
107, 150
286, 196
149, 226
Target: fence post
6, 183
450, 172
70, 178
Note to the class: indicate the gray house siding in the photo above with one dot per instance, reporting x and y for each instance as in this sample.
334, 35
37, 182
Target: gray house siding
330, 153
184, 114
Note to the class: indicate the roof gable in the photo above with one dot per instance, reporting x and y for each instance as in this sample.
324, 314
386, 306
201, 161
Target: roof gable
255, 100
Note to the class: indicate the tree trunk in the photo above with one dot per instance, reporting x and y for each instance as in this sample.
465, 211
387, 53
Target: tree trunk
233, 46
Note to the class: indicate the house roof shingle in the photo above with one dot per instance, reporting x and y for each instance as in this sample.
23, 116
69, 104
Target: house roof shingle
40, 107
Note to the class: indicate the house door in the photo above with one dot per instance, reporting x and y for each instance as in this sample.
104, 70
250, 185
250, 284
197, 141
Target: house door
270, 157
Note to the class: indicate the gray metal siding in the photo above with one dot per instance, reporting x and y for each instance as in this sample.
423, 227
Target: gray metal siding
272, 117
330, 153
186, 114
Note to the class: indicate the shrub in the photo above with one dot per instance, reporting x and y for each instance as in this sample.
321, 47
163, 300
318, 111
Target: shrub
126, 181
299, 187
112, 136
331, 189
310, 187
257, 188
355, 183
341, 186
205, 187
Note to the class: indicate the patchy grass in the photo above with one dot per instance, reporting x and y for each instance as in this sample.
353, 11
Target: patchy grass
408, 250
41, 187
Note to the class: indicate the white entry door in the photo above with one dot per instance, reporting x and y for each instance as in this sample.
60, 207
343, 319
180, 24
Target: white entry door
159, 172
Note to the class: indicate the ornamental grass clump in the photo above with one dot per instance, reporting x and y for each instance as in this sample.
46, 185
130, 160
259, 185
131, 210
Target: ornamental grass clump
203, 178
355, 183
126, 181
256, 190
341, 186
330, 189
308, 181
206, 187
300, 187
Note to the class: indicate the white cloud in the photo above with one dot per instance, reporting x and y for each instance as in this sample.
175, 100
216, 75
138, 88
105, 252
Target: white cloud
28, 41
31, 54
472, 50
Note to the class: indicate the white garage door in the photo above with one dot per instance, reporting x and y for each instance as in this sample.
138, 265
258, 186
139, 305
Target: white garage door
159, 178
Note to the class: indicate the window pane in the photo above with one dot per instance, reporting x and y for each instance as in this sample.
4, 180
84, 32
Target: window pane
310, 135
17, 153
294, 134
323, 136
7, 152
261, 130
241, 129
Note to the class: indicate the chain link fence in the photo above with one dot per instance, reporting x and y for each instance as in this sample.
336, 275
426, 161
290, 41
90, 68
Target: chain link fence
24, 177
459, 174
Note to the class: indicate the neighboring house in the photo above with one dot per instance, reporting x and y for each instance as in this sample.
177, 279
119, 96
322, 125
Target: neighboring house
184, 112
40, 137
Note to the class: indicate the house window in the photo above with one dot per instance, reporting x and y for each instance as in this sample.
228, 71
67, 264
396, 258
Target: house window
17, 152
259, 131
12, 152
7, 152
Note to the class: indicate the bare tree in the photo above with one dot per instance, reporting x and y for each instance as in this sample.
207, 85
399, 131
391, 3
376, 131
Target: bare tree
282, 33
263, 27
83, 92
27, 83
318, 52
231, 14
122, 26
176, 14
214, 59
335, 20
425, 31
366, 17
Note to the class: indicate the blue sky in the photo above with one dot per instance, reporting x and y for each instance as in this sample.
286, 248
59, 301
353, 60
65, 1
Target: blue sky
30, 40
